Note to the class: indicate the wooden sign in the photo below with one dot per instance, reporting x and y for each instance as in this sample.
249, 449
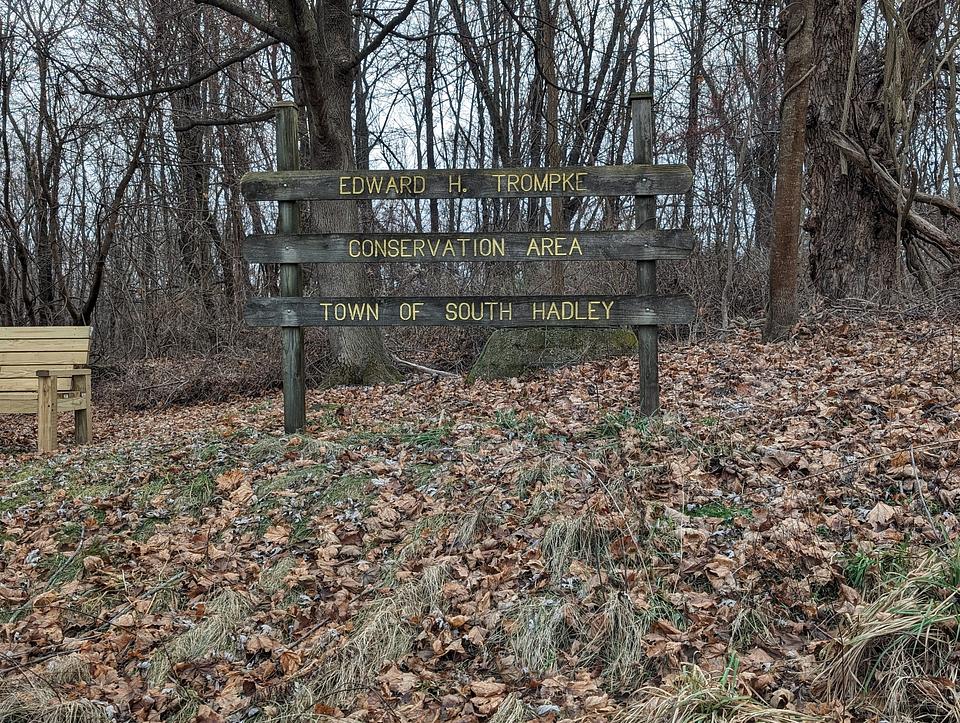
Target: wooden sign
645, 311
634, 180
500, 311
406, 248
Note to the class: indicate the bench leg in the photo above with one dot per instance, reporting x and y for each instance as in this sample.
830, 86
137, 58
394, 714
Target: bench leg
81, 417
47, 415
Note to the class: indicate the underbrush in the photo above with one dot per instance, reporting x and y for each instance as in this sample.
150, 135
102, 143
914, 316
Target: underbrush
899, 654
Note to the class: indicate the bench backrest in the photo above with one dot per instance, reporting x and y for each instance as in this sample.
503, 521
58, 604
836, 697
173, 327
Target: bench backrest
26, 349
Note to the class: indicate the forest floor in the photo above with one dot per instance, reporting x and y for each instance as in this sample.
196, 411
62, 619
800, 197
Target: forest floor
781, 545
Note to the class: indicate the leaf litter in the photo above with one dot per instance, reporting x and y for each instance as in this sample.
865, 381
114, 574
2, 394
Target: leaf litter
780, 545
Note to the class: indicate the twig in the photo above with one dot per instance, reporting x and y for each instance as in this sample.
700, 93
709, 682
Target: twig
428, 370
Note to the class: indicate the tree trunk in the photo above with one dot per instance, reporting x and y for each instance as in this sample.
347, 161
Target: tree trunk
855, 239
692, 136
762, 169
323, 57
797, 22
853, 242
548, 64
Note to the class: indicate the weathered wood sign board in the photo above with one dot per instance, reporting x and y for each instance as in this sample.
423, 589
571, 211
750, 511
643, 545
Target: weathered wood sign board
646, 245
472, 310
405, 248
633, 180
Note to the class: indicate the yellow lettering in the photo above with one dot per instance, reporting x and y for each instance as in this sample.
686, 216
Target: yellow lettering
534, 247
575, 247
419, 184
344, 185
454, 184
409, 311
374, 184
512, 179
607, 306
499, 177
353, 248
580, 176
391, 185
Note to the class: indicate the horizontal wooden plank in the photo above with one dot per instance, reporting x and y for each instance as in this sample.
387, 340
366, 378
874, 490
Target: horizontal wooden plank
44, 332
68, 345
305, 248
30, 370
66, 373
627, 180
42, 359
472, 310
25, 403
25, 384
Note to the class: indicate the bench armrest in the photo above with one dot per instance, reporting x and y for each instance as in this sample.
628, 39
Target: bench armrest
57, 373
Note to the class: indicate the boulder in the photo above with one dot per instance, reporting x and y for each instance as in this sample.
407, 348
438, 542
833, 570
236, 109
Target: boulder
514, 352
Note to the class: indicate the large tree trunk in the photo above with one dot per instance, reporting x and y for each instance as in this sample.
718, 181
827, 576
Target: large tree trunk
327, 73
797, 24
855, 244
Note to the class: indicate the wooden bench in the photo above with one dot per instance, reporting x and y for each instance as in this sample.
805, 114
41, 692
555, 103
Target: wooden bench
42, 372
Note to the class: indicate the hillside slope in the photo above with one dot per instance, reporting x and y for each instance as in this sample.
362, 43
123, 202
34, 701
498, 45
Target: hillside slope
780, 545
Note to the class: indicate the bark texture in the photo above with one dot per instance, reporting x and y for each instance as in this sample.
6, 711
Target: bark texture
326, 60
863, 97
797, 24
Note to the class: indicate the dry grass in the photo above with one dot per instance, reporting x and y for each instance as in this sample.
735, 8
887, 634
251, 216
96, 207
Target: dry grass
300, 707
573, 538
623, 626
40, 698
538, 631
271, 578
898, 654
386, 633
696, 697
211, 636
511, 710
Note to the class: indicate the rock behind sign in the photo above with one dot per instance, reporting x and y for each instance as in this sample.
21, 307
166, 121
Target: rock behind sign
514, 352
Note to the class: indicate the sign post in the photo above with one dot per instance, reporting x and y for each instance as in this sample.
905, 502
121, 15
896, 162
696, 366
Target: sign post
646, 244
291, 277
641, 115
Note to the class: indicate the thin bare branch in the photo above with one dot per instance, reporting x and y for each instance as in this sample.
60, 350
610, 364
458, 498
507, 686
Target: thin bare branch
251, 18
209, 72
231, 121
384, 33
